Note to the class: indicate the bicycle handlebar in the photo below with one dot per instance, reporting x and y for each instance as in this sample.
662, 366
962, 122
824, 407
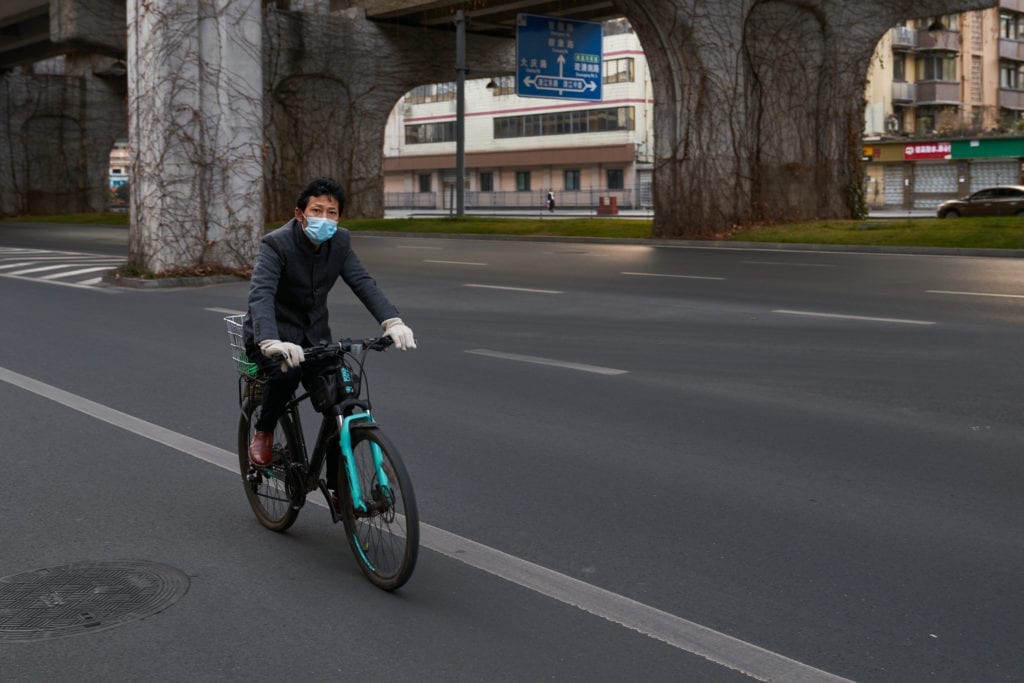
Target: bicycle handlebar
344, 346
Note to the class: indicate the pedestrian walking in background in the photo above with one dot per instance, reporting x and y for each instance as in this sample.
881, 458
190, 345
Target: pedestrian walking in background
551, 201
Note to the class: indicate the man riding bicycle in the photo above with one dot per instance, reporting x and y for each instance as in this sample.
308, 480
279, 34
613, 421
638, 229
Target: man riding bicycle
296, 268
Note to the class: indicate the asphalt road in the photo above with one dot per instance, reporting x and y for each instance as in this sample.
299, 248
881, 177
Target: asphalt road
795, 464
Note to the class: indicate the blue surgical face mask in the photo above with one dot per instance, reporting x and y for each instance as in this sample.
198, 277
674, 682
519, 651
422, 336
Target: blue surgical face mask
319, 230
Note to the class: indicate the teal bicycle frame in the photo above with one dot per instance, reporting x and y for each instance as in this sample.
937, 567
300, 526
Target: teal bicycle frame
344, 429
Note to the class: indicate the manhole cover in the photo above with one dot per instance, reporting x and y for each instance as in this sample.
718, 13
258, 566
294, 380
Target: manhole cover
84, 597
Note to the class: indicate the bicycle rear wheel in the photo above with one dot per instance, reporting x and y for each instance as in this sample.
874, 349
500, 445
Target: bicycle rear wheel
385, 537
266, 488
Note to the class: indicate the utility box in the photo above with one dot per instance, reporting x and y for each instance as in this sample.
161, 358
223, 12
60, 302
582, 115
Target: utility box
607, 206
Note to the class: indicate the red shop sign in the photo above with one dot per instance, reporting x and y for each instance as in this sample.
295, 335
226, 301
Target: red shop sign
927, 150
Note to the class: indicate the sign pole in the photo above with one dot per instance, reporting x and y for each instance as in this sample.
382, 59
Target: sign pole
460, 113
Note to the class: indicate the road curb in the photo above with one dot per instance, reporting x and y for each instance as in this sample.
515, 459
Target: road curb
713, 244
112, 279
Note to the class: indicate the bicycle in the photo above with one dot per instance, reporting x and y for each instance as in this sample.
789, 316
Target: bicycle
375, 499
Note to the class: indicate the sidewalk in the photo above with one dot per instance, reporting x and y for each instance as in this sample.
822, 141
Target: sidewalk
643, 214
539, 212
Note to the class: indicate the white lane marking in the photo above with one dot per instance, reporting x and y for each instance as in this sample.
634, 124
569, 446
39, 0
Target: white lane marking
69, 256
841, 316
723, 649
79, 285
15, 265
456, 263
516, 289
947, 291
225, 311
597, 369
413, 246
80, 271
39, 269
681, 277
797, 265
90, 281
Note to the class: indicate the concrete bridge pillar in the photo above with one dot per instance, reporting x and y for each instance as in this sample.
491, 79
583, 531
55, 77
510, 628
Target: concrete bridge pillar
60, 121
332, 81
196, 132
759, 105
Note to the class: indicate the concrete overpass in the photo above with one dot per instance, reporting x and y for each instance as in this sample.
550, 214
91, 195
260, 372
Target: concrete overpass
233, 104
492, 18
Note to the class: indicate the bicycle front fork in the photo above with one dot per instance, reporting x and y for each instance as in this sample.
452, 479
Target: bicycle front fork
355, 486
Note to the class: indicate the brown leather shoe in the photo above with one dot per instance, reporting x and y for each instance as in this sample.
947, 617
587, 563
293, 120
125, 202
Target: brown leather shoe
261, 450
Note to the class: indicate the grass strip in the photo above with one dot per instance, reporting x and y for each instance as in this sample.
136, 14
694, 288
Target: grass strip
962, 233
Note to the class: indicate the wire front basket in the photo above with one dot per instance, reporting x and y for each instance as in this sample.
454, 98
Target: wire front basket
246, 368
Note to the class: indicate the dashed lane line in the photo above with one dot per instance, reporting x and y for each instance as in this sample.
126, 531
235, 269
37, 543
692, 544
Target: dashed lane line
843, 316
515, 289
992, 294
455, 263
672, 275
537, 360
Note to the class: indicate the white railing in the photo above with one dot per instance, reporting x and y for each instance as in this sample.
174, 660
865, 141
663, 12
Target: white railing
534, 199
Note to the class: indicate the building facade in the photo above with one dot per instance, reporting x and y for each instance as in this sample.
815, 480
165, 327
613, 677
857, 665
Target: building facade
518, 149
945, 107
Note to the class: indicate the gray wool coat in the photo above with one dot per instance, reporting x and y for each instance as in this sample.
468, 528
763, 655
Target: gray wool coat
291, 281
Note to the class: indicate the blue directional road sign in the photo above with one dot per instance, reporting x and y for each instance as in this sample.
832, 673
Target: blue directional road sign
558, 58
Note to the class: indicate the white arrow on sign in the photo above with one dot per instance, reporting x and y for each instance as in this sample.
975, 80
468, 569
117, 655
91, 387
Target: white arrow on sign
560, 83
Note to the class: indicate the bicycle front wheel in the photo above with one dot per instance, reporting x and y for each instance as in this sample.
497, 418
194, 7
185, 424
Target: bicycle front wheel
384, 531
266, 488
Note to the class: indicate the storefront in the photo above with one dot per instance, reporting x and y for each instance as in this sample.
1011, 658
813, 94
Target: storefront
922, 174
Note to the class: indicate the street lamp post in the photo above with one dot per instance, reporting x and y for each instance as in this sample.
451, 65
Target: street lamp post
460, 113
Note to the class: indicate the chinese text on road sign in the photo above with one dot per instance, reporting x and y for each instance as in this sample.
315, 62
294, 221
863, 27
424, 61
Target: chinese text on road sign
559, 58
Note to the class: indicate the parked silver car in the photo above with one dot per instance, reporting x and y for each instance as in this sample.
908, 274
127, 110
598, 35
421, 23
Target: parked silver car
1002, 200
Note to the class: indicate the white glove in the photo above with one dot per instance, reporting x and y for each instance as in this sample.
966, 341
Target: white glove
399, 333
292, 352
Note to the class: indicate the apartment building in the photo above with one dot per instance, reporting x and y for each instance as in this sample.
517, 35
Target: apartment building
519, 149
945, 107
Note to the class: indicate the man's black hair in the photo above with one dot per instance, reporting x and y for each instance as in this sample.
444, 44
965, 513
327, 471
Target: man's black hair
319, 187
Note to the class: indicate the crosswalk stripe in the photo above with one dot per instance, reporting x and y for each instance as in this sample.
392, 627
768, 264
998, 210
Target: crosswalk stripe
60, 267
38, 270
80, 271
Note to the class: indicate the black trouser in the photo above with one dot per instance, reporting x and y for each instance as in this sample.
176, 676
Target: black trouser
281, 385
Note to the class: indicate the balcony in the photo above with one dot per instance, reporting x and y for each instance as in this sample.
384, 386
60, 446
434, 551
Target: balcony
938, 92
941, 41
903, 38
904, 93
1011, 49
1011, 99
1015, 5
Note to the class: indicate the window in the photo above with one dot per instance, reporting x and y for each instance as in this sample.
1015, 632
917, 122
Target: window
1009, 76
936, 68
421, 133
522, 181
487, 182
976, 84
950, 22
1010, 26
435, 92
572, 179
618, 70
504, 85
899, 67
425, 182
564, 123
615, 179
